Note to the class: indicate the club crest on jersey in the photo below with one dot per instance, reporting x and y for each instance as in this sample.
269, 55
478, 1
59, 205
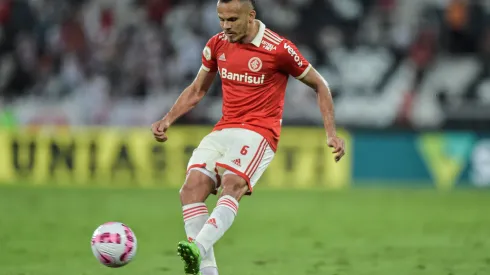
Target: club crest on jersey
255, 64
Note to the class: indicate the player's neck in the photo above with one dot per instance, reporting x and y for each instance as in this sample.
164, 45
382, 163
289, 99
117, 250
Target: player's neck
252, 33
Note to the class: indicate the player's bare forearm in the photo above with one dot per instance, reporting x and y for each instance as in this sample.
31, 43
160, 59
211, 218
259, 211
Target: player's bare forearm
325, 101
187, 100
191, 96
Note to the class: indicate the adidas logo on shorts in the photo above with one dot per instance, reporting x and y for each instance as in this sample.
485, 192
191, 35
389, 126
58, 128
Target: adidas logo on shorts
237, 162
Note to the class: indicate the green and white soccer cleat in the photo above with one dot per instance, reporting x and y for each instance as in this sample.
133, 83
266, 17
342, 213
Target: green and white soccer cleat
189, 252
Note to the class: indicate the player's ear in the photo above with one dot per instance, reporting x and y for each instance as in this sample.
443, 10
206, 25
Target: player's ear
251, 16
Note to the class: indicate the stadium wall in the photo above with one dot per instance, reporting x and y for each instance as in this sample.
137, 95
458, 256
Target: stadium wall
122, 157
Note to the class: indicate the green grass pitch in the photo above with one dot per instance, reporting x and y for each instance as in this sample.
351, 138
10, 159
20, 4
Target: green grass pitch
47, 231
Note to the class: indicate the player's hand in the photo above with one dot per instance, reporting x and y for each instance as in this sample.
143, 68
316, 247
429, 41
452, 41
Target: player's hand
159, 130
338, 145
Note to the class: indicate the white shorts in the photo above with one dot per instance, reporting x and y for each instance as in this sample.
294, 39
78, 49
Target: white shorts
232, 151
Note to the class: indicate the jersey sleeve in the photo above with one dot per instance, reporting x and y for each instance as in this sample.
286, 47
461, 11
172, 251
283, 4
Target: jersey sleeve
291, 61
208, 57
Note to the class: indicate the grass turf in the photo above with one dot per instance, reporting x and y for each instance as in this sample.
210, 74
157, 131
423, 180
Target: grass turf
371, 231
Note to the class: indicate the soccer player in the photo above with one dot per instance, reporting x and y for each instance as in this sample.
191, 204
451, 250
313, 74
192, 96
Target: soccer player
254, 64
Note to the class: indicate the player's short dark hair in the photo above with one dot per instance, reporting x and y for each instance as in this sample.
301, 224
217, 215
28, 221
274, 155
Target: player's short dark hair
252, 2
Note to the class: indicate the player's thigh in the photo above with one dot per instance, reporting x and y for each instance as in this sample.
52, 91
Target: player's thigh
248, 155
265, 161
203, 162
257, 173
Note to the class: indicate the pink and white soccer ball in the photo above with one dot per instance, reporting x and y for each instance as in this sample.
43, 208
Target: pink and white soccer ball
114, 244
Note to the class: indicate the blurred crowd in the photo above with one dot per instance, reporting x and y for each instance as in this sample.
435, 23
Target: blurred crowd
390, 63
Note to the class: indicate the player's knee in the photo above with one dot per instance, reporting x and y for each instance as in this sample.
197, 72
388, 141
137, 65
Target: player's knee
234, 186
196, 188
193, 192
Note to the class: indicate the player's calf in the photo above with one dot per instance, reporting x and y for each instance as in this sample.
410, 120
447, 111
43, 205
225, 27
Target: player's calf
196, 189
234, 187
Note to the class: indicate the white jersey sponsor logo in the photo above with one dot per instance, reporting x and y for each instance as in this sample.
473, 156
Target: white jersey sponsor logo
268, 46
225, 74
293, 53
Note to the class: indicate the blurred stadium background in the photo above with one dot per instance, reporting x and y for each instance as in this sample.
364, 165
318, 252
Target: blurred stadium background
82, 80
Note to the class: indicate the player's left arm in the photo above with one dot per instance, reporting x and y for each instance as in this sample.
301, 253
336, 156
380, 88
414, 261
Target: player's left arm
324, 97
291, 61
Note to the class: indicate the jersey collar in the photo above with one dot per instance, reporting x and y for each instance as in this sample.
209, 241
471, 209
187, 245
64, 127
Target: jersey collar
258, 38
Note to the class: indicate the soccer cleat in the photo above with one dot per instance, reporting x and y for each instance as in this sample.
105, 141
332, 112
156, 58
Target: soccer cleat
189, 252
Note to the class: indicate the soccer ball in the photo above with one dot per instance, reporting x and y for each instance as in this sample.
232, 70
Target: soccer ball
114, 244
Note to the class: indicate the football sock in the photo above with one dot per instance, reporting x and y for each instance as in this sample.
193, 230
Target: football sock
220, 220
195, 216
210, 270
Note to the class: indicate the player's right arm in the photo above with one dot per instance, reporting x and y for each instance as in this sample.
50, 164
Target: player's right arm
191, 95
187, 100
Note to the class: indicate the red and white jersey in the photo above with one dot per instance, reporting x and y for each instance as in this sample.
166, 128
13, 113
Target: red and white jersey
254, 78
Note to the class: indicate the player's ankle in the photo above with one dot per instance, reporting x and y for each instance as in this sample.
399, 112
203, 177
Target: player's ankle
202, 250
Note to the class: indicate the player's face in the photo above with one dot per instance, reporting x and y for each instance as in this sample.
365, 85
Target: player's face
235, 18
